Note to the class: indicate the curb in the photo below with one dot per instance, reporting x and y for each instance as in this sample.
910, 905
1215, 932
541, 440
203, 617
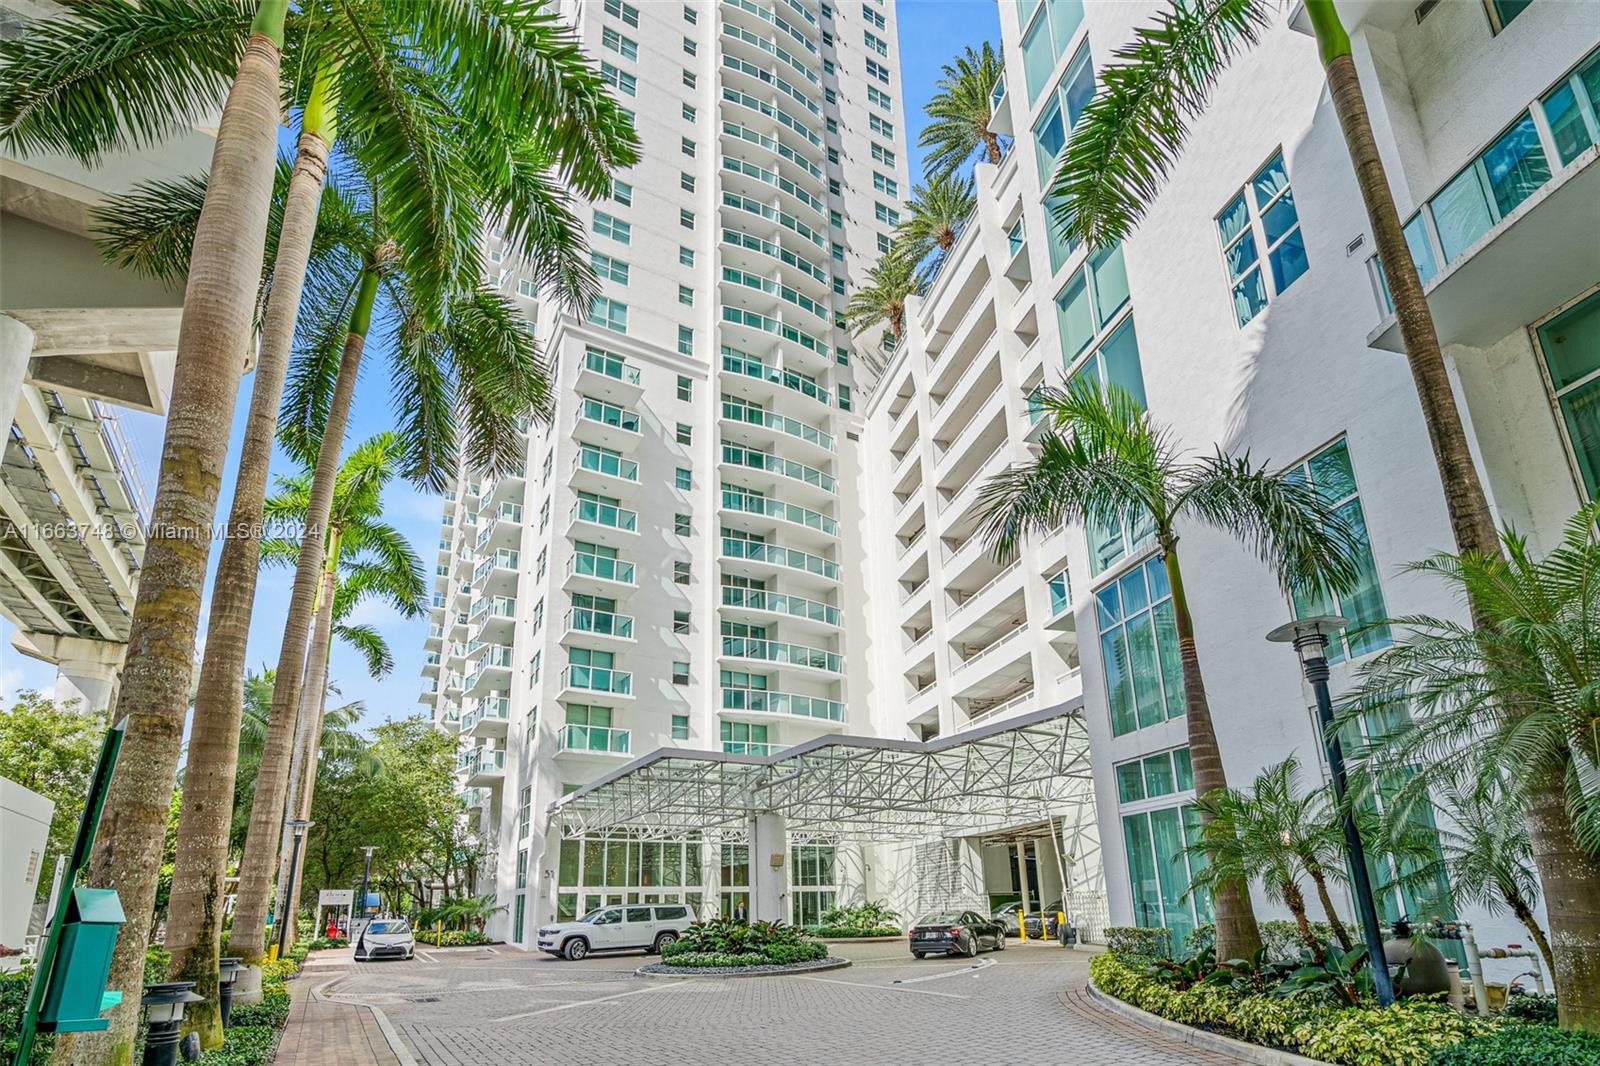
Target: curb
897, 938
1244, 1052
804, 969
391, 1036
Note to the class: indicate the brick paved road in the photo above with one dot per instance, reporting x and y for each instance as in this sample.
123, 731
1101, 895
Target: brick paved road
507, 1008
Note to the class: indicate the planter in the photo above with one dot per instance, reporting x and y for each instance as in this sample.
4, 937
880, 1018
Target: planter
896, 939
661, 969
1227, 1045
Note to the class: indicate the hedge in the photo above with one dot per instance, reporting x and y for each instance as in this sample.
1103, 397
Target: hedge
272, 1011
245, 1045
1523, 1045
842, 932
452, 938
1406, 1034
771, 955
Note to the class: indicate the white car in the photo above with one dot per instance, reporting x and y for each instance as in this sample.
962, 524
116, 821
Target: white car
646, 927
385, 938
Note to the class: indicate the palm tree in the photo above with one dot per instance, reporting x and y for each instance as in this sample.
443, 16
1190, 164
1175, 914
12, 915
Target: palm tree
1514, 696
364, 557
961, 112
935, 216
891, 281
85, 117
1103, 460
1128, 137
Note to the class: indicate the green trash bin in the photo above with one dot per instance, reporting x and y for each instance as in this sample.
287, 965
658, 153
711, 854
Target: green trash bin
77, 992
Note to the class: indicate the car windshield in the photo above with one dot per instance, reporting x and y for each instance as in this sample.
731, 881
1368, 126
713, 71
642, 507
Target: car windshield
940, 918
393, 928
602, 916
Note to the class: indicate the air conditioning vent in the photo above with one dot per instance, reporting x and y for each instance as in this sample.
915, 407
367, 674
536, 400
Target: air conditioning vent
1355, 246
1425, 7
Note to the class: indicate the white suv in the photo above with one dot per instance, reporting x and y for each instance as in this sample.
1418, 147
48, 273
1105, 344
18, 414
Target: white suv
649, 927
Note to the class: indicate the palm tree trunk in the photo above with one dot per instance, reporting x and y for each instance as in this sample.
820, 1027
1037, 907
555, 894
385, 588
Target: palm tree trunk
991, 143
1470, 519
272, 777
225, 268
194, 925
303, 766
1320, 879
1568, 875
1295, 900
310, 794
1238, 936
1524, 913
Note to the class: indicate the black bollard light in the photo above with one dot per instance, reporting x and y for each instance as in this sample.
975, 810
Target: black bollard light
163, 1010
227, 973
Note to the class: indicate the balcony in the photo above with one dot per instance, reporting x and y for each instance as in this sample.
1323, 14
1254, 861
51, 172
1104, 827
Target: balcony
503, 528
474, 798
752, 747
779, 652
598, 574
608, 376
1025, 699
608, 424
489, 718
745, 415
738, 502
760, 701
789, 559
576, 679
489, 608
748, 366
763, 602
607, 518
594, 740
494, 665
590, 622
602, 470
498, 571
484, 767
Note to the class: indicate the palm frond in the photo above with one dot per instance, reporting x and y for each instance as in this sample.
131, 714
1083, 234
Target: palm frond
1067, 482
423, 397
960, 111
936, 215
369, 644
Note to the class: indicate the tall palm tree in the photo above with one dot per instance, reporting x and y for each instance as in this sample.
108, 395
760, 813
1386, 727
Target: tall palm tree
1516, 696
890, 281
364, 557
961, 112
935, 216
86, 117
1104, 460
1130, 134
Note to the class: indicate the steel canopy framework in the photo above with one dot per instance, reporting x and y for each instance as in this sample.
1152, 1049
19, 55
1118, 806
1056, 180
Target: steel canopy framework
848, 787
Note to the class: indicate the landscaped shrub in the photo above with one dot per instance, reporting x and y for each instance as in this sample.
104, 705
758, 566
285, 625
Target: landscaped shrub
272, 1011
1537, 1008
871, 918
279, 970
1516, 1044
13, 999
322, 943
156, 962
771, 955
452, 938
1283, 941
244, 1046
845, 932
1406, 1034
1133, 941
740, 944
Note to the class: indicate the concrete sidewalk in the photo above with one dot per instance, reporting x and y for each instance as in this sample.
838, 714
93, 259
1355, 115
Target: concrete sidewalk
325, 1032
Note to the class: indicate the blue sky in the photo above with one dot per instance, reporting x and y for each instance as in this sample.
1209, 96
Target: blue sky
931, 32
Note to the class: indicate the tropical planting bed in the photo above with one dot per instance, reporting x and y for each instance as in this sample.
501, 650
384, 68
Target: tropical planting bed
723, 947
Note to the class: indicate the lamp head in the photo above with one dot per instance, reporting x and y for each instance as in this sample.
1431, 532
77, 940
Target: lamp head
165, 1002
299, 825
1309, 636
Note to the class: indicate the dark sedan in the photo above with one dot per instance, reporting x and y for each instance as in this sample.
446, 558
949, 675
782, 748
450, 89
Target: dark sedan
956, 933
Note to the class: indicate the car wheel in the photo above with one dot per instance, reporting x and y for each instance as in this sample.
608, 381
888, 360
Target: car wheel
971, 948
919, 954
662, 941
576, 949
1000, 942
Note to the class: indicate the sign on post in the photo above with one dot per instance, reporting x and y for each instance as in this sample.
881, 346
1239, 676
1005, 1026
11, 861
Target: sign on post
336, 897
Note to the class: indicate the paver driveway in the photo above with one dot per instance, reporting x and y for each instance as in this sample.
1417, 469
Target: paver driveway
507, 1008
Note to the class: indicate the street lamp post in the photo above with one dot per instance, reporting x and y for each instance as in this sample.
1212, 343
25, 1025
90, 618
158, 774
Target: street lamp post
366, 874
299, 826
1310, 639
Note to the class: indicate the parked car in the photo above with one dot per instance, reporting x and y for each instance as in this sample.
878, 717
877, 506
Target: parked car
956, 933
1040, 927
647, 928
1010, 916
385, 938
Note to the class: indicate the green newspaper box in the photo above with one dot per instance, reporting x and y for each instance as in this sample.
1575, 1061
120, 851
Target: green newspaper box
77, 991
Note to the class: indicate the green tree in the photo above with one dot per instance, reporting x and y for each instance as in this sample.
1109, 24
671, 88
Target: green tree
1518, 694
961, 112
51, 750
935, 216
890, 282
1102, 460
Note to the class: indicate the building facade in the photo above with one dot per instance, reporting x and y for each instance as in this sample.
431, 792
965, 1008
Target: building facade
1246, 311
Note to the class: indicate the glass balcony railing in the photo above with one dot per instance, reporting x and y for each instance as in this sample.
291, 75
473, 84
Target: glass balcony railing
775, 326
609, 414
741, 239
595, 738
743, 411
606, 463
739, 455
482, 761
606, 514
769, 77
789, 222
787, 293
751, 747
765, 701
588, 620
493, 606
583, 564
778, 114
735, 499
612, 366
598, 679
777, 148
778, 555
774, 651
736, 362
780, 603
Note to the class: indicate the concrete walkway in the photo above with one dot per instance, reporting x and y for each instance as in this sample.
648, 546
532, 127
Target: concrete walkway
326, 1032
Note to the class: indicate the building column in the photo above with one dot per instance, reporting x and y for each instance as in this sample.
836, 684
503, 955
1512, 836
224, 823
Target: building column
16, 347
769, 868
86, 670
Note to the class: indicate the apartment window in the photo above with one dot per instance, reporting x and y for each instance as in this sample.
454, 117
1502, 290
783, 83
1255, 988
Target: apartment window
872, 16
685, 433
689, 79
827, 39
544, 514
876, 44
626, 12
525, 287
689, 112
616, 42
827, 12
844, 397
622, 193
685, 340
886, 214
524, 812
885, 184
1570, 345
680, 572
690, 15
1262, 216
1139, 648
621, 80
686, 295
686, 181
685, 388
879, 98
1160, 866
609, 267
836, 220
880, 154
883, 244
683, 479
612, 314
686, 146
880, 126
680, 621
610, 226
680, 525
827, 66
685, 256
833, 156
841, 356
1045, 36
689, 47
543, 558
1089, 300
831, 125
534, 665
877, 71
496, 254
680, 673
686, 218
830, 96
1501, 12
549, 463
837, 251
680, 727
1574, 126
1154, 776
1332, 476
1071, 95
838, 286
834, 187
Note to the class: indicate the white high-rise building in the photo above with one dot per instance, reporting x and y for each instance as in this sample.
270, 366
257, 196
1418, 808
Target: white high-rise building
1246, 310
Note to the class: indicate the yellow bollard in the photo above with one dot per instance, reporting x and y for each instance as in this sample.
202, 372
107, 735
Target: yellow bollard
272, 952
1022, 924
1061, 925
438, 933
